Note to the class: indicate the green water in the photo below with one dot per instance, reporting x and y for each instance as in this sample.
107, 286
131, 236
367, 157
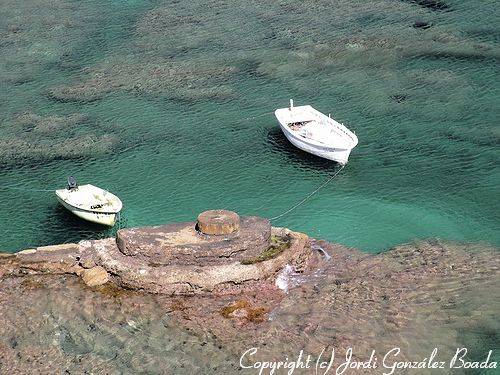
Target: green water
423, 102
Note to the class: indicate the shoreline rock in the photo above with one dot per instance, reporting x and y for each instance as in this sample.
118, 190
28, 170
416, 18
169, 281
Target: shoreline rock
334, 297
173, 259
95, 276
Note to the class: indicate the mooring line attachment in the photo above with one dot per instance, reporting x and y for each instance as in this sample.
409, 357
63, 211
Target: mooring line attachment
298, 204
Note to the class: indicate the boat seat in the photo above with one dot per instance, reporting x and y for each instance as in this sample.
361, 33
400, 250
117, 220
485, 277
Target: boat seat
72, 184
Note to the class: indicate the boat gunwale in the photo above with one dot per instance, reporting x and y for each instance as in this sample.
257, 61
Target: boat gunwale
313, 142
349, 135
325, 146
114, 211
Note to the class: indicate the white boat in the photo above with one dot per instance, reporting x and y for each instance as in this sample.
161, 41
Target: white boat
313, 132
90, 202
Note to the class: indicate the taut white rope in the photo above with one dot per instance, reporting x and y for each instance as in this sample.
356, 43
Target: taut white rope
309, 195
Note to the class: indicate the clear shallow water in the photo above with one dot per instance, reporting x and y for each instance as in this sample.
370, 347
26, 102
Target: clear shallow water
165, 91
416, 297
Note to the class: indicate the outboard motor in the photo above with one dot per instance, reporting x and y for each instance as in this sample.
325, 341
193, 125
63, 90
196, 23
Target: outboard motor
72, 184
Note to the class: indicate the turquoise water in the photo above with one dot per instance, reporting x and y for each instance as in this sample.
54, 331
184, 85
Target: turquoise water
167, 93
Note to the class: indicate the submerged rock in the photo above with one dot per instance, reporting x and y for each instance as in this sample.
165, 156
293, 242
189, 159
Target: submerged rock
421, 24
33, 138
438, 294
35, 34
435, 5
399, 98
87, 92
183, 80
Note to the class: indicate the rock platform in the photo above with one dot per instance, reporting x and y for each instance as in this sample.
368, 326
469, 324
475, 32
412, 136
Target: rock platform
184, 244
175, 259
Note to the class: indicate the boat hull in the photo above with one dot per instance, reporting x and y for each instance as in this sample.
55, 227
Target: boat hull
313, 132
338, 155
102, 218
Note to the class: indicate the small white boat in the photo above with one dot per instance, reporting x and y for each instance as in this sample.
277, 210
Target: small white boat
90, 202
313, 132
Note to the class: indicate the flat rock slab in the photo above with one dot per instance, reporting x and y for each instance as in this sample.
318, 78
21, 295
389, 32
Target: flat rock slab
172, 259
183, 244
50, 259
201, 277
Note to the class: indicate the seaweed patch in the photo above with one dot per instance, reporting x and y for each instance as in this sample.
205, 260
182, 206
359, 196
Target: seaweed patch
278, 245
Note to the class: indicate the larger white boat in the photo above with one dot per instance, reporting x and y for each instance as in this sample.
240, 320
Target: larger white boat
90, 202
313, 132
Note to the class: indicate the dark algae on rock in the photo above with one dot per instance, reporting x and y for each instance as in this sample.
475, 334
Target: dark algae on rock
243, 309
278, 245
434, 5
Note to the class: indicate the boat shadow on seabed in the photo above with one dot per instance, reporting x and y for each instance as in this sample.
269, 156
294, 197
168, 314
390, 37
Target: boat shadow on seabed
280, 145
67, 227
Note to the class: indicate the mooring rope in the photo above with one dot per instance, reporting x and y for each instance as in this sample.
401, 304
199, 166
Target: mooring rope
25, 189
301, 202
256, 116
295, 206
